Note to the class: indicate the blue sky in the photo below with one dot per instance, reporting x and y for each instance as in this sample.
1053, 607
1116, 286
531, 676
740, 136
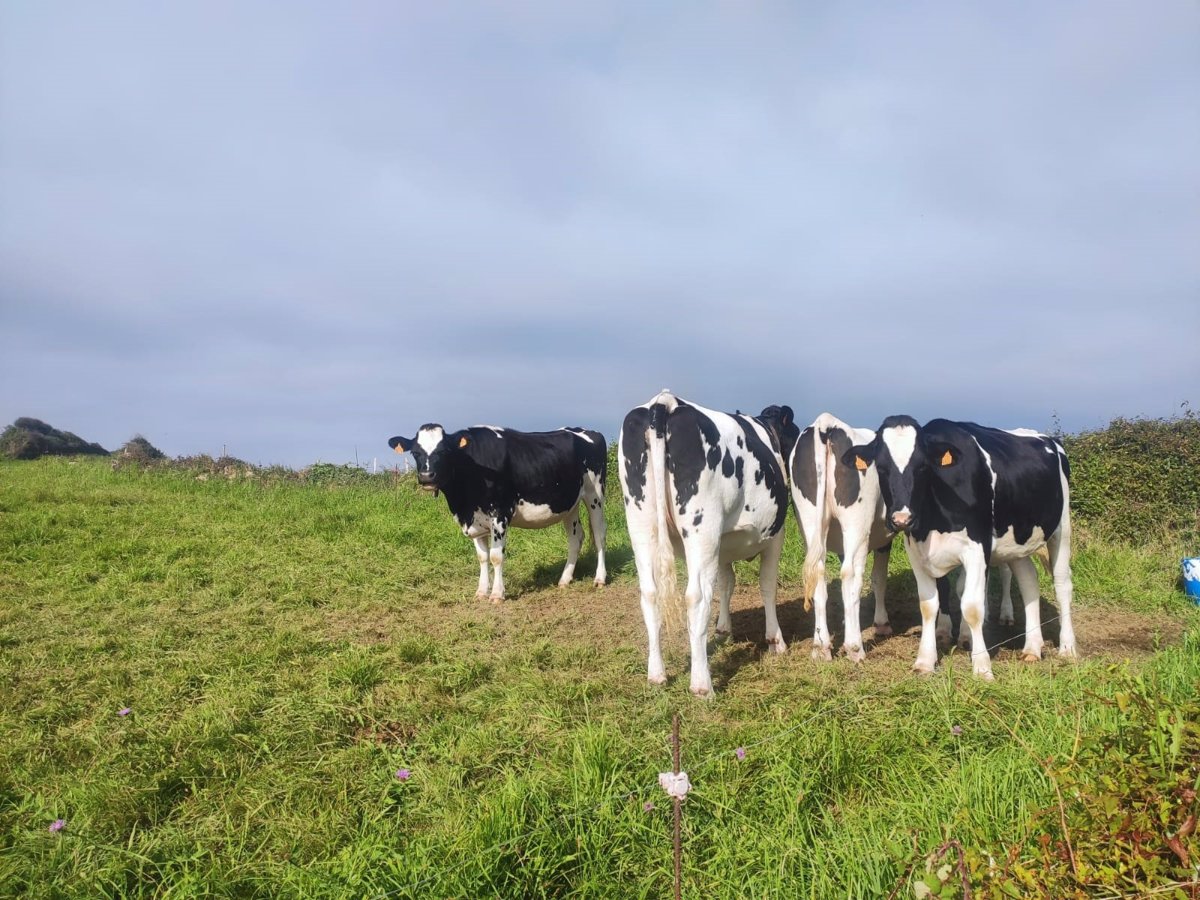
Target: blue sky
295, 234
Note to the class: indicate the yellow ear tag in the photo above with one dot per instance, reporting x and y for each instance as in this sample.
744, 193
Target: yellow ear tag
462, 442
860, 464
400, 449
947, 458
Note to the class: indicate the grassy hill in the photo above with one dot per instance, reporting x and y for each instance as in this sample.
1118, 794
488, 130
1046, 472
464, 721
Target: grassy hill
241, 686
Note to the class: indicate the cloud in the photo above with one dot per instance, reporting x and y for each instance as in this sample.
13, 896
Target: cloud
314, 228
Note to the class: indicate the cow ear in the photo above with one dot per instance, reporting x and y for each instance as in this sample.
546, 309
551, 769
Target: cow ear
401, 445
942, 454
786, 416
860, 457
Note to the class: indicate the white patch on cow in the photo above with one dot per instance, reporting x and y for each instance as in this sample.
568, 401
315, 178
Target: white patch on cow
429, 438
942, 551
479, 526
987, 458
901, 441
1005, 548
1025, 432
536, 515
578, 433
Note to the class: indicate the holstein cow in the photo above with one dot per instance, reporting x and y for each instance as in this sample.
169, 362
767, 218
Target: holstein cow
711, 486
840, 511
967, 495
496, 477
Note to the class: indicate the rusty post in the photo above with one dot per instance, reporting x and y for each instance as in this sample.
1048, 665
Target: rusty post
678, 802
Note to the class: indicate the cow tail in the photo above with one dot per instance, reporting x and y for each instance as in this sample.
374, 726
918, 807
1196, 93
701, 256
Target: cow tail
666, 587
814, 553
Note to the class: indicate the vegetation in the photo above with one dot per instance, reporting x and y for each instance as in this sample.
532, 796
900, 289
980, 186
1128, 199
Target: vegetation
32, 438
229, 682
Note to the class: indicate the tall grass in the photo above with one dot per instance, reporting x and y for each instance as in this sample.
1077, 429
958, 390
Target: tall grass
286, 648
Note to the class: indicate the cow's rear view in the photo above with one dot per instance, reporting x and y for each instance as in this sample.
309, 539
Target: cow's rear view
711, 486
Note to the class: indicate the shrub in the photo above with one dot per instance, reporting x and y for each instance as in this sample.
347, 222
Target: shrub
32, 438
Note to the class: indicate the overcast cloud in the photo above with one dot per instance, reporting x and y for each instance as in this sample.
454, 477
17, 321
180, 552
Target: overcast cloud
298, 229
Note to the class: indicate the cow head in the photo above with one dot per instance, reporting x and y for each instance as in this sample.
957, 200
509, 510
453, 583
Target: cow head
433, 451
906, 460
780, 421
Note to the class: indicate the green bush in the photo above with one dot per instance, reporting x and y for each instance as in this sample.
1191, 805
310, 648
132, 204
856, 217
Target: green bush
1138, 476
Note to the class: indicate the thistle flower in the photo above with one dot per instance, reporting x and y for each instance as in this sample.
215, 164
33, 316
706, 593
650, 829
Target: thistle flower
58, 825
740, 753
956, 730
124, 712
403, 774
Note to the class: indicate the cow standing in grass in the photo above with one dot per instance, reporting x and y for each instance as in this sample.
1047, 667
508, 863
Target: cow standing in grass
967, 495
711, 486
494, 478
840, 510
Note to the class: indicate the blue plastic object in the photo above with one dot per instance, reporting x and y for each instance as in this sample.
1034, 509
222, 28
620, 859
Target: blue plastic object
1191, 577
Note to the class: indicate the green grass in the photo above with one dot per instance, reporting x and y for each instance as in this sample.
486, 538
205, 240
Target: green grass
286, 647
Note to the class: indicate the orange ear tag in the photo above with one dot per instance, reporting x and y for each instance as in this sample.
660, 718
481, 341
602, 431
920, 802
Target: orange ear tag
462, 442
860, 464
947, 458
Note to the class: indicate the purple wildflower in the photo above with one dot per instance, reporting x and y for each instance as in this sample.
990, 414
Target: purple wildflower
956, 730
403, 774
740, 752
124, 712
647, 806
58, 825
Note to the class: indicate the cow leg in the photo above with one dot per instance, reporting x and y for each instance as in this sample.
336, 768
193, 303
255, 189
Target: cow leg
879, 576
496, 554
973, 602
702, 579
574, 530
1027, 581
822, 648
725, 583
1006, 607
927, 591
768, 582
595, 511
854, 565
946, 605
1064, 591
481, 554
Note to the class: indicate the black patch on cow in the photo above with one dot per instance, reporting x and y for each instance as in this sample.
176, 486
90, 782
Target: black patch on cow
768, 471
693, 444
635, 452
804, 466
847, 479
699, 517
738, 471
727, 464
950, 605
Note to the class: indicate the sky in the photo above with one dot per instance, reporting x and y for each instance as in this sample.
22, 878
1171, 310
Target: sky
291, 231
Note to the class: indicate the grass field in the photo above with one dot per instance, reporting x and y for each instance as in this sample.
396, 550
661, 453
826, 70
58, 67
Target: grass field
284, 650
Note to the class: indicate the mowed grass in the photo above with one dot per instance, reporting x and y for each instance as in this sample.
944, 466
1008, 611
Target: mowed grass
286, 649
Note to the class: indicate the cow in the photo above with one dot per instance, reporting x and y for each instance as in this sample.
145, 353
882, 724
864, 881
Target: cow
840, 510
711, 486
494, 478
964, 494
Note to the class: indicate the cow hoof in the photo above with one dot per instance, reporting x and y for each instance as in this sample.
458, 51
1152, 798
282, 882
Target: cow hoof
943, 638
855, 654
986, 676
657, 680
704, 693
821, 654
497, 598
884, 630
922, 668
722, 635
600, 582
964, 643
481, 595
1068, 652
777, 646
1030, 657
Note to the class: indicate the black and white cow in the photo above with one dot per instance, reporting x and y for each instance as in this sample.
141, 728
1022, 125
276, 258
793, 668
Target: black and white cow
967, 495
496, 477
841, 511
711, 486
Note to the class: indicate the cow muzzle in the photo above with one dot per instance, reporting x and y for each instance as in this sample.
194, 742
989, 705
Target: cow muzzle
901, 521
427, 484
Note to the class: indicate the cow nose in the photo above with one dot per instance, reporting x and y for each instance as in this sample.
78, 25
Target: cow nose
901, 521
